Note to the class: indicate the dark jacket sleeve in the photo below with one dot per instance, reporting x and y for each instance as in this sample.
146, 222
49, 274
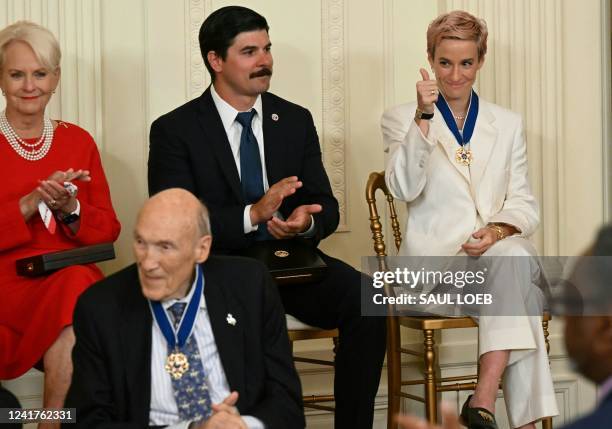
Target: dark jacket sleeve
317, 189
169, 165
91, 391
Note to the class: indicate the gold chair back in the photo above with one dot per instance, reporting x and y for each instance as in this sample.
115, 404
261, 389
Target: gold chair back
376, 182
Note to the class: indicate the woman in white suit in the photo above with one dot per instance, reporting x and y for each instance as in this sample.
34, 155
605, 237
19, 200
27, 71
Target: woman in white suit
460, 164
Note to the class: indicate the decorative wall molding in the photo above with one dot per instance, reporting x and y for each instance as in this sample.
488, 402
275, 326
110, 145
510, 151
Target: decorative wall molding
77, 28
523, 72
606, 27
197, 76
335, 101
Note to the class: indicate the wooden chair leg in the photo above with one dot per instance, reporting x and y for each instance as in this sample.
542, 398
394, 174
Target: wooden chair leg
431, 399
394, 372
547, 422
546, 334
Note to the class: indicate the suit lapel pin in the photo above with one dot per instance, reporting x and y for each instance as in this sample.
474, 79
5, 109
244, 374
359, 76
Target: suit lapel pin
274, 117
230, 319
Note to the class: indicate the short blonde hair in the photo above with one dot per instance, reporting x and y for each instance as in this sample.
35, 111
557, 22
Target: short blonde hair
458, 25
42, 41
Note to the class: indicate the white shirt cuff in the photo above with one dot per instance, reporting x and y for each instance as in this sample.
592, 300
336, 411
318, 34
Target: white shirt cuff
310, 232
77, 211
179, 425
250, 421
246, 220
253, 422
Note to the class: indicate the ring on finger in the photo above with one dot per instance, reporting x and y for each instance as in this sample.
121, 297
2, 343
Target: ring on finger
52, 202
434, 92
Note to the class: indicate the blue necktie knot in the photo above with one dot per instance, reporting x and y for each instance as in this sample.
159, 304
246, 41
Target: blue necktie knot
245, 118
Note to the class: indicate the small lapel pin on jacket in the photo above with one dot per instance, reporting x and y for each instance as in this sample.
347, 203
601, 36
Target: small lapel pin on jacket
274, 117
230, 319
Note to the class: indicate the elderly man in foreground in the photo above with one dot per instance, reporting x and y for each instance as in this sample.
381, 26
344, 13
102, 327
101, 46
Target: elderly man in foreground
181, 339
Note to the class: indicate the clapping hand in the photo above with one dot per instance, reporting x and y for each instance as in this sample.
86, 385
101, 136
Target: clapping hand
55, 195
70, 175
264, 209
299, 221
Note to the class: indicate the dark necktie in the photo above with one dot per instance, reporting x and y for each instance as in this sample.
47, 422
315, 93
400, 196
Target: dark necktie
191, 390
251, 175
250, 162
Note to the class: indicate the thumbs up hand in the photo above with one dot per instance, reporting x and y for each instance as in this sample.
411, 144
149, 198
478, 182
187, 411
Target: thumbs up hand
427, 92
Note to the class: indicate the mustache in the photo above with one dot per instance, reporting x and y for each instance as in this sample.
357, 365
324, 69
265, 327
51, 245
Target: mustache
259, 73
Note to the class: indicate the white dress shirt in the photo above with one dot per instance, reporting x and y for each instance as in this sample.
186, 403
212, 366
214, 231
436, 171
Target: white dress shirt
164, 410
233, 130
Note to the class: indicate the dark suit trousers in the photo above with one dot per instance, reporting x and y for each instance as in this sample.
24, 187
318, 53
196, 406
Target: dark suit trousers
335, 302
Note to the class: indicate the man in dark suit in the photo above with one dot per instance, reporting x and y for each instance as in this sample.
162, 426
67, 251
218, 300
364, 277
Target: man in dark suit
255, 160
226, 363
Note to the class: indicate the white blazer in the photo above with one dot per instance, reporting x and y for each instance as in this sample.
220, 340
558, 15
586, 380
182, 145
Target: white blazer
447, 201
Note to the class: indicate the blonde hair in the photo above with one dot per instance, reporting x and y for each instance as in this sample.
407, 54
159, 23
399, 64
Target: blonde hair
42, 41
458, 25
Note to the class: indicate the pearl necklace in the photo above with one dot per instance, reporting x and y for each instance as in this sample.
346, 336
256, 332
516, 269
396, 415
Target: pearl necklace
19, 145
459, 117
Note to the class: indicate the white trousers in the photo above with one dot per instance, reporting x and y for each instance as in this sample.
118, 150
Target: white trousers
527, 382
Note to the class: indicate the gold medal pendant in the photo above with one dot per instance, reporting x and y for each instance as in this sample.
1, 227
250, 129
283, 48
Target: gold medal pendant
463, 156
177, 365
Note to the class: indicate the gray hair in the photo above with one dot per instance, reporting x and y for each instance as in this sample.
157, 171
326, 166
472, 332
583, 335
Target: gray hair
42, 41
203, 220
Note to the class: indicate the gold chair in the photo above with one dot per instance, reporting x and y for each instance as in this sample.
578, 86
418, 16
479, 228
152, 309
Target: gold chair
299, 331
432, 381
